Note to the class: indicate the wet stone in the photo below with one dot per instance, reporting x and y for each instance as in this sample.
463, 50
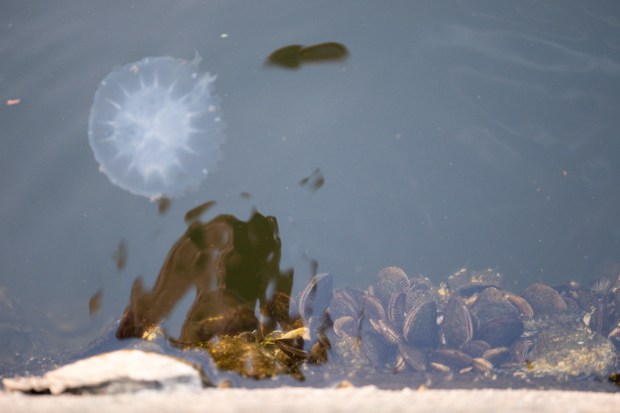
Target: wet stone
116, 372
564, 352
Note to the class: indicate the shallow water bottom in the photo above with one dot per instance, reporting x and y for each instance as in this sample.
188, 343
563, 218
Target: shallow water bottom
435, 381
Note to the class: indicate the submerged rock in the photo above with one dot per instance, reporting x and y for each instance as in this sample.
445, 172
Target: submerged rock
116, 372
563, 352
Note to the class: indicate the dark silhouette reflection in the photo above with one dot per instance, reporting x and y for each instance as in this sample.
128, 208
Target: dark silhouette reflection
291, 57
233, 265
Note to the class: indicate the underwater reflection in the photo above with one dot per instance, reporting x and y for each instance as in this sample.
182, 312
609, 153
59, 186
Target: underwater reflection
234, 266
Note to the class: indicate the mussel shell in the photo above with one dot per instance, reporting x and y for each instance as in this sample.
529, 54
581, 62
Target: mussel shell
390, 280
346, 326
315, 298
420, 326
452, 358
544, 300
414, 357
420, 282
345, 303
499, 320
372, 307
476, 348
317, 326
596, 321
292, 347
500, 331
585, 297
457, 325
386, 330
525, 309
380, 353
319, 351
496, 355
482, 364
416, 296
397, 308
439, 368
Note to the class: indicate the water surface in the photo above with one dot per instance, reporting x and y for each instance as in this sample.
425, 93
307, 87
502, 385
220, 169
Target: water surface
455, 134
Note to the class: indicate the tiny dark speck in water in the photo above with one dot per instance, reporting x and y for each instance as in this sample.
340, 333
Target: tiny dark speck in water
120, 255
314, 181
163, 205
94, 304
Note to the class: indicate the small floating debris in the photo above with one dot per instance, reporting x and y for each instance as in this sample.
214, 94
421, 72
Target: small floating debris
323, 52
292, 56
287, 56
314, 181
116, 372
13, 102
163, 205
194, 214
94, 304
120, 255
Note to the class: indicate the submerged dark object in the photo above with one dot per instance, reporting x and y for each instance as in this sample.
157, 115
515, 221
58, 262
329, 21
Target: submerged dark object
287, 56
293, 56
233, 265
313, 182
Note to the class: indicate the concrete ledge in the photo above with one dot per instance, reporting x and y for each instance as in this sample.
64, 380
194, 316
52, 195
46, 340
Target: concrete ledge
307, 400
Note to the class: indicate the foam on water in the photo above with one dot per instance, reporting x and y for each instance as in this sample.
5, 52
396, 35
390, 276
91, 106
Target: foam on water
155, 128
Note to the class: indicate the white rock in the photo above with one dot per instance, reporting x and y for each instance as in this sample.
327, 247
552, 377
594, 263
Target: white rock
125, 367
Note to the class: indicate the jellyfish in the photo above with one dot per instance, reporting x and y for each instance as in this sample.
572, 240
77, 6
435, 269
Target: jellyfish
155, 128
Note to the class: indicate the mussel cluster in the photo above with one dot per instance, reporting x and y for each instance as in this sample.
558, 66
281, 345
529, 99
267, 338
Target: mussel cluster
467, 323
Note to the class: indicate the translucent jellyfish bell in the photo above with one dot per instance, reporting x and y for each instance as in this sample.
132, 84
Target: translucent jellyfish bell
155, 128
